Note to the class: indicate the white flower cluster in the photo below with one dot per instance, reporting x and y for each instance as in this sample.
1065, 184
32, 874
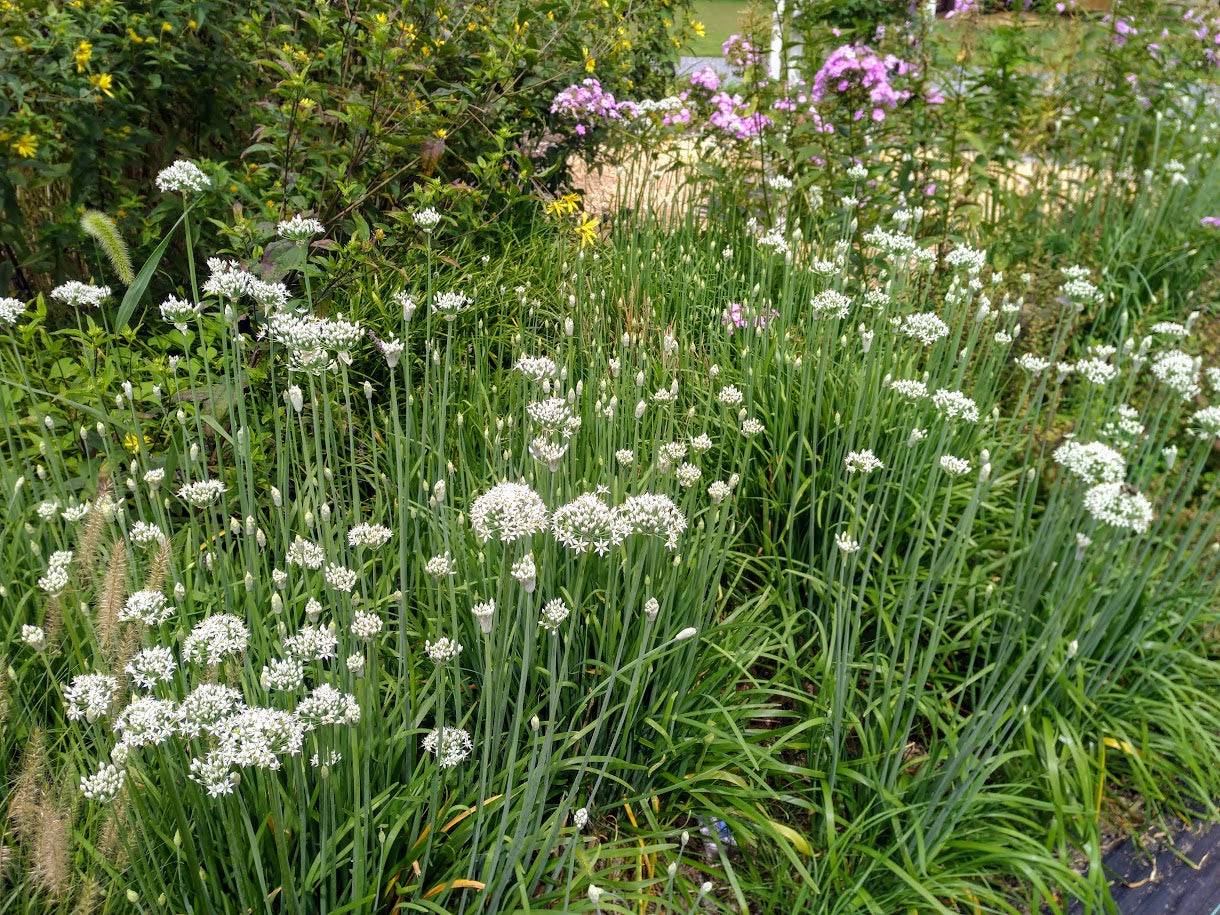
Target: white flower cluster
147, 722
443, 650
1033, 363
56, 578
1119, 505
104, 785
1077, 288
537, 368
340, 577
89, 696
554, 612
508, 512
143, 533
1206, 423
312, 643
365, 626
77, 294
282, 674
299, 228
10, 310
215, 638
183, 177
954, 466
449, 745
326, 706
1091, 462
202, 493
830, 303
179, 312
1179, 372
862, 462
227, 279
653, 514
449, 305
554, 417
304, 553
148, 607
526, 573
440, 566
955, 405
151, 666
909, 388
587, 523
926, 327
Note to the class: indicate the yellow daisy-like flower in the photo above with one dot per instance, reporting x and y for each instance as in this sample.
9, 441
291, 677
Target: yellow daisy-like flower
103, 82
590, 64
26, 146
586, 230
699, 29
83, 54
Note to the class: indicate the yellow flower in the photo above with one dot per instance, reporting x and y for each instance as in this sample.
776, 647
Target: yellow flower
26, 146
442, 133
104, 82
699, 29
564, 206
590, 64
83, 54
166, 27
192, 24
135, 39
132, 443
586, 230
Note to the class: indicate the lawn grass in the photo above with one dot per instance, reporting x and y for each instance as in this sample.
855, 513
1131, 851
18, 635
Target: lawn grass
720, 20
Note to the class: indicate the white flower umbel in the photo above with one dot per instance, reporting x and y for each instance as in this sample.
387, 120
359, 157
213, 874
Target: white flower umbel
1093, 369
258, 737
206, 705
340, 577
718, 491
327, 705
282, 674
845, 543
179, 312
1033, 363
1092, 462
104, 785
56, 578
955, 405
34, 636
508, 512
526, 573
183, 177
909, 389
366, 626
588, 524
954, 466
304, 553
1205, 423
862, 462
927, 328
688, 475
654, 515
147, 722
10, 310
89, 696
1179, 372
215, 638
554, 417
312, 643
79, 295
151, 666
730, 396
442, 651
554, 612
449, 305
441, 566
548, 452
151, 608
145, 533
202, 493
450, 746
483, 614
299, 228
537, 368
227, 279
427, 219
1119, 505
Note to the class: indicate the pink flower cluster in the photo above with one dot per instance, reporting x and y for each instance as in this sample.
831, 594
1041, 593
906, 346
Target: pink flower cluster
857, 71
1207, 32
740, 53
588, 101
731, 114
738, 316
705, 78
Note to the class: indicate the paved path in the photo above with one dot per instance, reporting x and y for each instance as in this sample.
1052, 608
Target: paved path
1167, 885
